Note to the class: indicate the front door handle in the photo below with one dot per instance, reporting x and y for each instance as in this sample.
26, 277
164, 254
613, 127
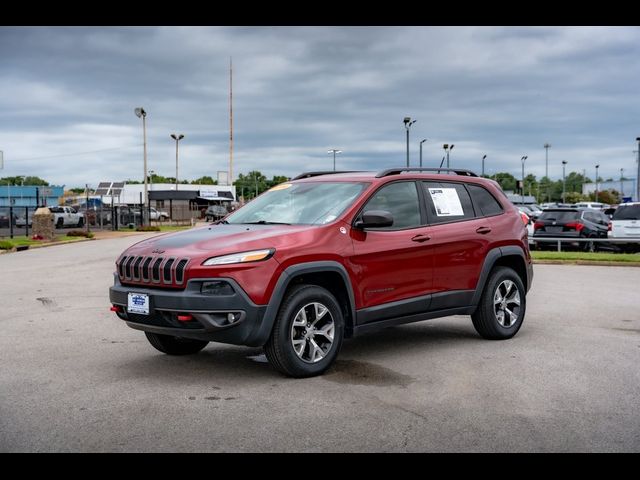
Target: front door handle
483, 230
420, 238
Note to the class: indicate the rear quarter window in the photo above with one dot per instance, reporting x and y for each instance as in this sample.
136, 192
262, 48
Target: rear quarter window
484, 203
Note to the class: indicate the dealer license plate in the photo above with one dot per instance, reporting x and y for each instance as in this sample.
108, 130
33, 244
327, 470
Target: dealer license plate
138, 303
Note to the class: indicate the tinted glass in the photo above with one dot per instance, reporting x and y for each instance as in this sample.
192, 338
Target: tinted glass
401, 200
632, 212
590, 216
484, 202
560, 216
447, 202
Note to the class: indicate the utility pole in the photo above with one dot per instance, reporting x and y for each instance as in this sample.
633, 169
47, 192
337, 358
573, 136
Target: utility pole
546, 169
421, 142
407, 124
230, 121
638, 175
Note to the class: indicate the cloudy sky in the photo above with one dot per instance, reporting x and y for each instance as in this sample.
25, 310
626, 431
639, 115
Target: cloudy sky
67, 97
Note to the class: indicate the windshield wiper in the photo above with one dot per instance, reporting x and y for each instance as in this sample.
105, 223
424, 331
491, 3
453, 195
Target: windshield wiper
265, 222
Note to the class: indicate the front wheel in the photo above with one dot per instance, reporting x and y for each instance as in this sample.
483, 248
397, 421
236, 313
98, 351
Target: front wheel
307, 334
80, 222
502, 307
175, 345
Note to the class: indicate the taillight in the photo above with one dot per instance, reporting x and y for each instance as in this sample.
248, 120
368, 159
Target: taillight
609, 226
575, 225
525, 218
538, 225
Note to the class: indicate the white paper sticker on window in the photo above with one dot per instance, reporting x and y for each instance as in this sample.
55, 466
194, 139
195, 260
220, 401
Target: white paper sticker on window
446, 201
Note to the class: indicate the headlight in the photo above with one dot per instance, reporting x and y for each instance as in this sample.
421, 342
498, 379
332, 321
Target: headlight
243, 257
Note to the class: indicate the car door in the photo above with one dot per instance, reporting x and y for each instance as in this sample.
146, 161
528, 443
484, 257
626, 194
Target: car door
461, 238
394, 264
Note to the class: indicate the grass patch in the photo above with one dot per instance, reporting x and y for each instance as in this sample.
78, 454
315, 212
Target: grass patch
148, 228
570, 257
8, 244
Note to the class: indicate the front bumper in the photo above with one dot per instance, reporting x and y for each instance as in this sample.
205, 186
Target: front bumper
210, 313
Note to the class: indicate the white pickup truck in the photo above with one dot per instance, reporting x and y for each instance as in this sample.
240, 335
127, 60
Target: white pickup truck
62, 217
66, 217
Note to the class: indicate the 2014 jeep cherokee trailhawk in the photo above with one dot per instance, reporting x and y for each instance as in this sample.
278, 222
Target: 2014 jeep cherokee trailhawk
328, 256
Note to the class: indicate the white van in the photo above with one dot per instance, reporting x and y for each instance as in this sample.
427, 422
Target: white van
626, 224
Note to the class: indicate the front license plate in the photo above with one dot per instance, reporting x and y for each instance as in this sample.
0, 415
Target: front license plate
138, 303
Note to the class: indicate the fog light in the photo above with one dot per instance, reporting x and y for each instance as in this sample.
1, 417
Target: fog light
233, 317
217, 288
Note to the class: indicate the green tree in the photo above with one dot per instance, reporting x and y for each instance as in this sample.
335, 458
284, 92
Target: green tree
278, 179
206, 180
246, 184
20, 180
506, 180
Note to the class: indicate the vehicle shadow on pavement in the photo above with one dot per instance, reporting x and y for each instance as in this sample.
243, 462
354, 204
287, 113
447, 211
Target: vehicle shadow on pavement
228, 362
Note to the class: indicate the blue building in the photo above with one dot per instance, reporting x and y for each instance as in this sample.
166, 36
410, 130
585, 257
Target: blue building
25, 196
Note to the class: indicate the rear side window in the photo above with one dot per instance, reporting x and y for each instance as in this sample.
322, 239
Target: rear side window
447, 202
401, 200
484, 203
632, 212
560, 216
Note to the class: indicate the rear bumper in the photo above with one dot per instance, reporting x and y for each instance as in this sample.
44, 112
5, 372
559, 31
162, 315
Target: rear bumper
210, 312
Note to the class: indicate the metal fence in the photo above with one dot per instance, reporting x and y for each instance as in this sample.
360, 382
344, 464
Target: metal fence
590, 244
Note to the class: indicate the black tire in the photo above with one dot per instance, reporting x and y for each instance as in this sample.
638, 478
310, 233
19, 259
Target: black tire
80, 222
60, 223
175, 345
486, 319
279, 349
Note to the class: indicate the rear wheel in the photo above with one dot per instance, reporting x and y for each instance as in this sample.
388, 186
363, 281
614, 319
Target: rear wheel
175, 345
60, 223
307, 333
80, 222
502, 307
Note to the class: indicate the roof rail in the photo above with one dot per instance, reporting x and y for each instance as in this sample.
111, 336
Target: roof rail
315, 174
396, 171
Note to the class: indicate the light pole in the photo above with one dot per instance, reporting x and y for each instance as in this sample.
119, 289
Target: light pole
421, 142
621, 184
177, 138
483, 157
638, 176
407, 123
546, 169
564, 189
597, 166
151, 174
522, 192
334, 151
140, 113
448, 148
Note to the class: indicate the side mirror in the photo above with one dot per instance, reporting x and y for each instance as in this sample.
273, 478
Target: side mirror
374, 219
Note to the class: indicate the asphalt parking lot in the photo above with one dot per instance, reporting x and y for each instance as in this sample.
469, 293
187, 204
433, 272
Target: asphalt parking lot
75, 378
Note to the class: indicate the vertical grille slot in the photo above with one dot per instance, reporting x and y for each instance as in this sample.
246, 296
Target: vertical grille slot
121, 267
180, 270
136, 268
155, 270
167, 270
127, 267
145, 269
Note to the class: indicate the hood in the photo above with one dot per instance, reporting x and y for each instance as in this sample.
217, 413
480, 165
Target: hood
218, 239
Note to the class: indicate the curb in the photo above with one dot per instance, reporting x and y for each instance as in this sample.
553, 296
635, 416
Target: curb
587, 262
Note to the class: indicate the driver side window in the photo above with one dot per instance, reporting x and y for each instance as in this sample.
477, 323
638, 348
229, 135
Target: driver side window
401, 200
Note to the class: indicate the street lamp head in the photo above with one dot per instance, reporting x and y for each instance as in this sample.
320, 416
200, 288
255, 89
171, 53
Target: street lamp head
140, 112
524, 158
407, 120
484, 156
422, 141
637, 139
173, 135
180, 137
564, 162
547, 145
597, 166
445, 146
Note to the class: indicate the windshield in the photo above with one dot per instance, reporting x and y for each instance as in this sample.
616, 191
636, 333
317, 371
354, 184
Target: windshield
313, 203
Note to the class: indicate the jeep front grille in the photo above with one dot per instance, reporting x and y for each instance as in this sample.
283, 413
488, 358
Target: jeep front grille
150, 270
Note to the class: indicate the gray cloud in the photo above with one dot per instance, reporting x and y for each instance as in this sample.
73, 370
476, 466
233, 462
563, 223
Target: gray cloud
299, 91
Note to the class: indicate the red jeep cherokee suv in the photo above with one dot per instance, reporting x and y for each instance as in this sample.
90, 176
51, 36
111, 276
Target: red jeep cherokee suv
331, 255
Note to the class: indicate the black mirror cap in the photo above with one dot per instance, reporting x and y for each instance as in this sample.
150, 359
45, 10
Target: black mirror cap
375, 219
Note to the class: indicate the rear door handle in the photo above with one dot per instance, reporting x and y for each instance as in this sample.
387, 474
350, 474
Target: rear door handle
420, 238
483, 230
